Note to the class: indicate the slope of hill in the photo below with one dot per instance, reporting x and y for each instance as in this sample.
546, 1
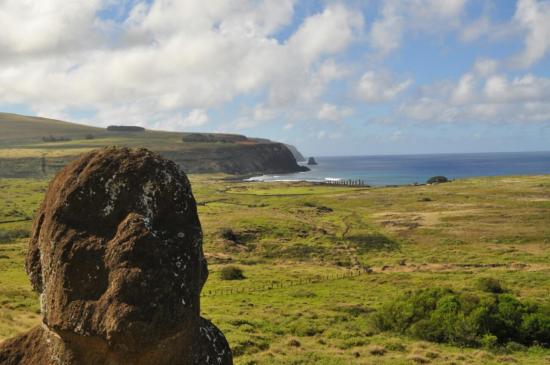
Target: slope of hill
15, 127
297, 155
32, 146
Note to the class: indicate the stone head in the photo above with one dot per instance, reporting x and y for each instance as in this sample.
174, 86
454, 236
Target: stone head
116, 250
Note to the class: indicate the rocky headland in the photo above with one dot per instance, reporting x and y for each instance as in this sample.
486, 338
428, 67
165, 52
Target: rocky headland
24, 153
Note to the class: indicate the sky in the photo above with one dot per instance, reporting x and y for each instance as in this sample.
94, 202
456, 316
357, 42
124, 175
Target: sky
357, 77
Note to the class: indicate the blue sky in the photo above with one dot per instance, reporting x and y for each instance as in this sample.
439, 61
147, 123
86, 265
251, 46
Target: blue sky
331, 77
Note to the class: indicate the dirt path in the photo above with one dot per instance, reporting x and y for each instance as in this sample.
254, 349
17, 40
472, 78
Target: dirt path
447, 267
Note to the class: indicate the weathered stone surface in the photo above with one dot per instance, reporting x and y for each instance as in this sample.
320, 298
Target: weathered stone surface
116, 255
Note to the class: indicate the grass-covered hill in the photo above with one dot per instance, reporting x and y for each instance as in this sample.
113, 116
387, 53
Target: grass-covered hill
33, 147
15, 128
460, 271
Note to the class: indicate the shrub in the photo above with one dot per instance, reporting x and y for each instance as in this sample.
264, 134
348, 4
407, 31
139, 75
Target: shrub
489, 342
51, 138
432, 354
441, 315
320, 208
305, 328
231, 273
490, 285
437, 180
395, 346
535, 327
294, 343
10, 235
125, 128
214, 138
514, 347
376, 350
324, 209
228, 234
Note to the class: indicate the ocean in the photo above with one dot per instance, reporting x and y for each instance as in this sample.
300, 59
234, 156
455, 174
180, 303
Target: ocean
410, 169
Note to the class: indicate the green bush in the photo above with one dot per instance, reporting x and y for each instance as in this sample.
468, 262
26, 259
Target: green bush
536, 327
305, 328
465, 319
228, 234
489, 342
231, 273
11, 235
437, 180
490, 285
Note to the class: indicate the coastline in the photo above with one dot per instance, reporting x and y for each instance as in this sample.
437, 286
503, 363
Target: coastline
403, 170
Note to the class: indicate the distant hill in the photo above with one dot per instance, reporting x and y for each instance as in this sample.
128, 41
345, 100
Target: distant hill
14, 127
33, 146
297, 155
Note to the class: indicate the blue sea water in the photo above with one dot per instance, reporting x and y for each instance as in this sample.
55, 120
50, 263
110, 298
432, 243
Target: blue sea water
410, 169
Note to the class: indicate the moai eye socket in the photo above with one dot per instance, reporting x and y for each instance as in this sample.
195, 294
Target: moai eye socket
87, 278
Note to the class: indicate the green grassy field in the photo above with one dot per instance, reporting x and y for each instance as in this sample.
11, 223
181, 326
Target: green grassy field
447, 235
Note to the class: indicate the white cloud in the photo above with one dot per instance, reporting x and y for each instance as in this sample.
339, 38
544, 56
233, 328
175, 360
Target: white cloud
480, 94
168, 56
435, 15
298, 71
534, 17
333, 112
246, 122
170, 61
195, 118
400, 16
475, 98
34, 27
262, 112
326, 33
387, 32
444, 8
380, 87
531, 21
427, 109
464, 91
396, 136
476, 29
528, 88
486, 66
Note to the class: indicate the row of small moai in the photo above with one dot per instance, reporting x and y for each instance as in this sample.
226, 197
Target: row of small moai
349, 182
